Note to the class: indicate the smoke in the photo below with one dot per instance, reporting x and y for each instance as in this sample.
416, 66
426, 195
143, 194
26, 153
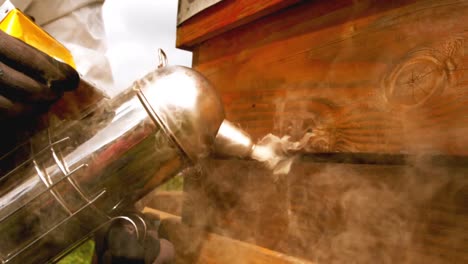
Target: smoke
330, 212
277, 153
364, 223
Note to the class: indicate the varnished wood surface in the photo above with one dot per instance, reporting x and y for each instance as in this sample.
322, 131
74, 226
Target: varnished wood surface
383, 77
224, 16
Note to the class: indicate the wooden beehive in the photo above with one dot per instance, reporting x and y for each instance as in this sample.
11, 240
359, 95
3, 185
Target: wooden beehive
384, 87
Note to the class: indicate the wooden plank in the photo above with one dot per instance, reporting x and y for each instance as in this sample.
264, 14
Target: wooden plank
166, 201
368, 77
223, 17
213, 248
162, 215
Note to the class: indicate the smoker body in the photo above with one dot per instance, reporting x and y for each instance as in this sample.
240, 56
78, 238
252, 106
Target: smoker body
80, 174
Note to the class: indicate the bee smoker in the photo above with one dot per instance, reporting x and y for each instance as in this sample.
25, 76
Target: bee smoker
80, 175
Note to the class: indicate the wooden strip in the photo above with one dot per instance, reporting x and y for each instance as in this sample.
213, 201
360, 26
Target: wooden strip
223, 17
167, 201
160, 214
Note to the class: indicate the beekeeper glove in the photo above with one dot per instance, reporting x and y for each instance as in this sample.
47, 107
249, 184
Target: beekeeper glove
30, 80
121, 245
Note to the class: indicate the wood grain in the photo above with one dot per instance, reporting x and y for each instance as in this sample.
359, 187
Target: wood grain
369, 77
223, 17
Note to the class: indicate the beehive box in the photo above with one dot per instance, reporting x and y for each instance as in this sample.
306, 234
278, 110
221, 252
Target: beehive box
382, 85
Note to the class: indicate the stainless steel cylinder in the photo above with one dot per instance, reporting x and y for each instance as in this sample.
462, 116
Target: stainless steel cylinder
80, 174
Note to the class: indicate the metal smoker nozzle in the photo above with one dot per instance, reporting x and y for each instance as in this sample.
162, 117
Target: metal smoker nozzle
231, 141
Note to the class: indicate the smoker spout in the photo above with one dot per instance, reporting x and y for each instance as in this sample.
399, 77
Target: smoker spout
232, 142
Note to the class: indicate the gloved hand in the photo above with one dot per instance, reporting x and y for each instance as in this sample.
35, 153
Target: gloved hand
30, 80
121, 245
